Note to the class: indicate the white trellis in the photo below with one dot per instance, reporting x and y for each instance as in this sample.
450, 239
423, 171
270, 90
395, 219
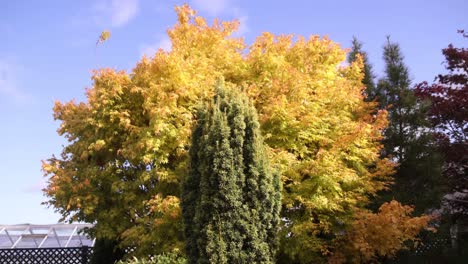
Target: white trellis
44, 236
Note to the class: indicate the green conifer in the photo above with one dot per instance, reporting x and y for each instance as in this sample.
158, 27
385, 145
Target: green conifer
407, 138
230, 199
369, 76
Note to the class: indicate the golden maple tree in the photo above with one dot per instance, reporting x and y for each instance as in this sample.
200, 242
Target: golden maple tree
128, 144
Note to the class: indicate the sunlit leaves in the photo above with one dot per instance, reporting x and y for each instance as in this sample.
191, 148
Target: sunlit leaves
379, 235
128, 143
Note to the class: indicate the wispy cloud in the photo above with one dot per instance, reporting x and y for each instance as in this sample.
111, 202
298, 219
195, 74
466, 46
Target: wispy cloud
117, 13
243, 18
150, 49
212, 7
9, 87
243, 27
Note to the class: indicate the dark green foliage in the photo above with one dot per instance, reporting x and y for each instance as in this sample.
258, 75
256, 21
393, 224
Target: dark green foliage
106, 251
230, 199
407, 139
368, 80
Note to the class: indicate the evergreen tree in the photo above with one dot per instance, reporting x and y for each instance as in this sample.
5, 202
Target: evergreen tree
230, 199
407, 138
369, 76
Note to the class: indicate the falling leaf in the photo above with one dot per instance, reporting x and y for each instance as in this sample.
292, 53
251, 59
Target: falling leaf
105, 35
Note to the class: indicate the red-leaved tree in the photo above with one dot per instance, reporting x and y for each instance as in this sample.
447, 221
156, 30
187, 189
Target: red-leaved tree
448, 113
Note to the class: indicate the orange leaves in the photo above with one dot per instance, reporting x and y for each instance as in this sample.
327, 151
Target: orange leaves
381, 234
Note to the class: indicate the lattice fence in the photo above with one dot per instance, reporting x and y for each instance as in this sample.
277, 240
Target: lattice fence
432, 246
72, 255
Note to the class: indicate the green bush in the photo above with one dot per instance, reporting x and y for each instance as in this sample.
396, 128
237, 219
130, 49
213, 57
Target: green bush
165, 258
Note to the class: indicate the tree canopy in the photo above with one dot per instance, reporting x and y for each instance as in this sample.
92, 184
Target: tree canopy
448, 113
128, 144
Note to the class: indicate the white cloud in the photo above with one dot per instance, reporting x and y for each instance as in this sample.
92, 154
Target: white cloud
150, 49
8, 83
117, 13
123, 11
212, 7
243, 27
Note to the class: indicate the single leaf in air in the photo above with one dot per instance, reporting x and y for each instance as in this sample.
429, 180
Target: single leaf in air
105, 35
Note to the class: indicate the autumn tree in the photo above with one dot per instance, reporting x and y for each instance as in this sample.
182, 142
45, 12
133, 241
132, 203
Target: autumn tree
128, 143
127, 150
368, 80
383, 234
448, 114
231, 199
407, 138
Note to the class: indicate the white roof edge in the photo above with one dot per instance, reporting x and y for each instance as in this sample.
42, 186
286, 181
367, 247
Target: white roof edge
59, 225
21, 235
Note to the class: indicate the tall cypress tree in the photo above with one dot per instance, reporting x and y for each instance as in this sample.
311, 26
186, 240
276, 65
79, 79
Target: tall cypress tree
230, 199
369, 76
407, 138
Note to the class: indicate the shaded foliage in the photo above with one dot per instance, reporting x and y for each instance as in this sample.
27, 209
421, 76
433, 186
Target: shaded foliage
106, 251
407, 138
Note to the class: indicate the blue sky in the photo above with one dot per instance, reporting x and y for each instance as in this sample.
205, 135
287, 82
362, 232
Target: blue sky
47, 51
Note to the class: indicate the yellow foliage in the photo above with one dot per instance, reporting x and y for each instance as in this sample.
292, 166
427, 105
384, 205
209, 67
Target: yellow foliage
129, 141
